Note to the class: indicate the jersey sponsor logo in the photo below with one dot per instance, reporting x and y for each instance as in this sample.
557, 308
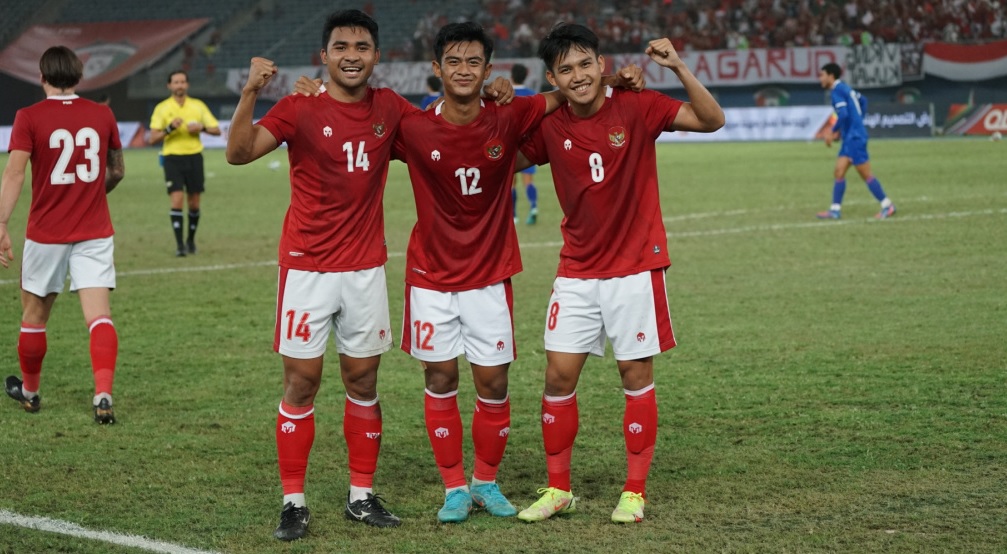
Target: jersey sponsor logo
617, 137
635, 428
379, 129
435, 155
640, 337
441, 433
500, 346
494, 149
288, 427
548, 418
567, 145
327, 131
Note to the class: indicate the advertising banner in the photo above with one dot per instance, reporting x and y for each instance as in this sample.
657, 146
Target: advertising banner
980, 119
110, 51
898, 120
751, 124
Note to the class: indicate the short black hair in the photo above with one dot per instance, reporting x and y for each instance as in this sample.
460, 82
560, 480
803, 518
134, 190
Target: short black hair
466, 31
349, 18
434, 82
518, 73
60, 67
563, 38
833, 69
176, 72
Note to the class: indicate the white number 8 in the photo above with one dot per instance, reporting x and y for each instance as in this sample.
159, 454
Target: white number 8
597, 169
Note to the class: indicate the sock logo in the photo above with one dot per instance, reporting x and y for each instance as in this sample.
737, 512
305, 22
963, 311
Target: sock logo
635, 428
548, 418
288, 427
505, 431
372, 435
441, 433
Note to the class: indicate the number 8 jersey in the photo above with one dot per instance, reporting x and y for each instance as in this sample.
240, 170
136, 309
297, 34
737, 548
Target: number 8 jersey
605, 171
68, 139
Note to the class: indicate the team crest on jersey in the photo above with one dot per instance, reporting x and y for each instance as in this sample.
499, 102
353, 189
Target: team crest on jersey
617, 137
379, 129
494, 149
327, 131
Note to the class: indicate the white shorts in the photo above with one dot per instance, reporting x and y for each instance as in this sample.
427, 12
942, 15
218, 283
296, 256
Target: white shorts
352, 305
632, 312
44, 266
439, 326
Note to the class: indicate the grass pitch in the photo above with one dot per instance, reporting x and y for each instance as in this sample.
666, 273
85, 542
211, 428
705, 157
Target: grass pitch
838, 386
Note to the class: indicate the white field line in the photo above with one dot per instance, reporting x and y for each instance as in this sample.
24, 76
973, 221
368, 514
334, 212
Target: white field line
74, 530
673, 234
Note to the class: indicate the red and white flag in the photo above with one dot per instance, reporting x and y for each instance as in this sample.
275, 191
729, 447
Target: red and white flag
966, 62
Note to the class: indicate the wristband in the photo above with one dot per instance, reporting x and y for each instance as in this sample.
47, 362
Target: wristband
169, 129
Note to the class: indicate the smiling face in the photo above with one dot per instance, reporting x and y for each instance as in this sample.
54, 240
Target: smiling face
350, 58
577, 74
463, 68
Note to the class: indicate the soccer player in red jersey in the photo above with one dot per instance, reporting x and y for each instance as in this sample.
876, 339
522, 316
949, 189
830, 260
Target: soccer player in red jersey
611, 277
76, 159
461, 255
332, 253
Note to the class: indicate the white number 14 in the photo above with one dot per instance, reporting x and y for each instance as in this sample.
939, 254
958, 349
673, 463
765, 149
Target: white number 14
361, 160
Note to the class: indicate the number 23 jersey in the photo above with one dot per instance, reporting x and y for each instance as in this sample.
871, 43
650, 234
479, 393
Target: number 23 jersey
68, 139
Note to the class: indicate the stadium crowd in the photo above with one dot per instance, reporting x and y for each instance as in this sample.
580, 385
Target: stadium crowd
724, 24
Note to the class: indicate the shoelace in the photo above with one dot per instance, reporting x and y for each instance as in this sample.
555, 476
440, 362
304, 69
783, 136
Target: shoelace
373, 504
293, 515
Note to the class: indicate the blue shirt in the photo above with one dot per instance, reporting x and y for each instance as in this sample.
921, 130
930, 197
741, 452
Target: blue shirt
850, 107
521, 90
429, 99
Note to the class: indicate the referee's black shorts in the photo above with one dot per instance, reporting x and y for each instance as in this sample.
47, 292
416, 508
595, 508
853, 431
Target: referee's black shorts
184, 173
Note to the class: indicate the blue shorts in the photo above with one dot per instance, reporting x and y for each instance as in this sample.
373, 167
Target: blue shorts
529, 171
856, 150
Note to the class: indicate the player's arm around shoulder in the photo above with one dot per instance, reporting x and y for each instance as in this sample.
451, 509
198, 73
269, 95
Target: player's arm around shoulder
702, 113
247, 142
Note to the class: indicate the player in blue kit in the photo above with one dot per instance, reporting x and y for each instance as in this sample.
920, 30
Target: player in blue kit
850, 107
518, 74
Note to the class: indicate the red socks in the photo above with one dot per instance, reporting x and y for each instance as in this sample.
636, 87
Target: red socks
639, 425
560, 420
104, 350
490, 429
362, 431
295, 433
31, 348
444, 427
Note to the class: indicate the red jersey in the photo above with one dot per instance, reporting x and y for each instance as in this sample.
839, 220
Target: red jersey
339, 155
605, 171
68, 139
464, 236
